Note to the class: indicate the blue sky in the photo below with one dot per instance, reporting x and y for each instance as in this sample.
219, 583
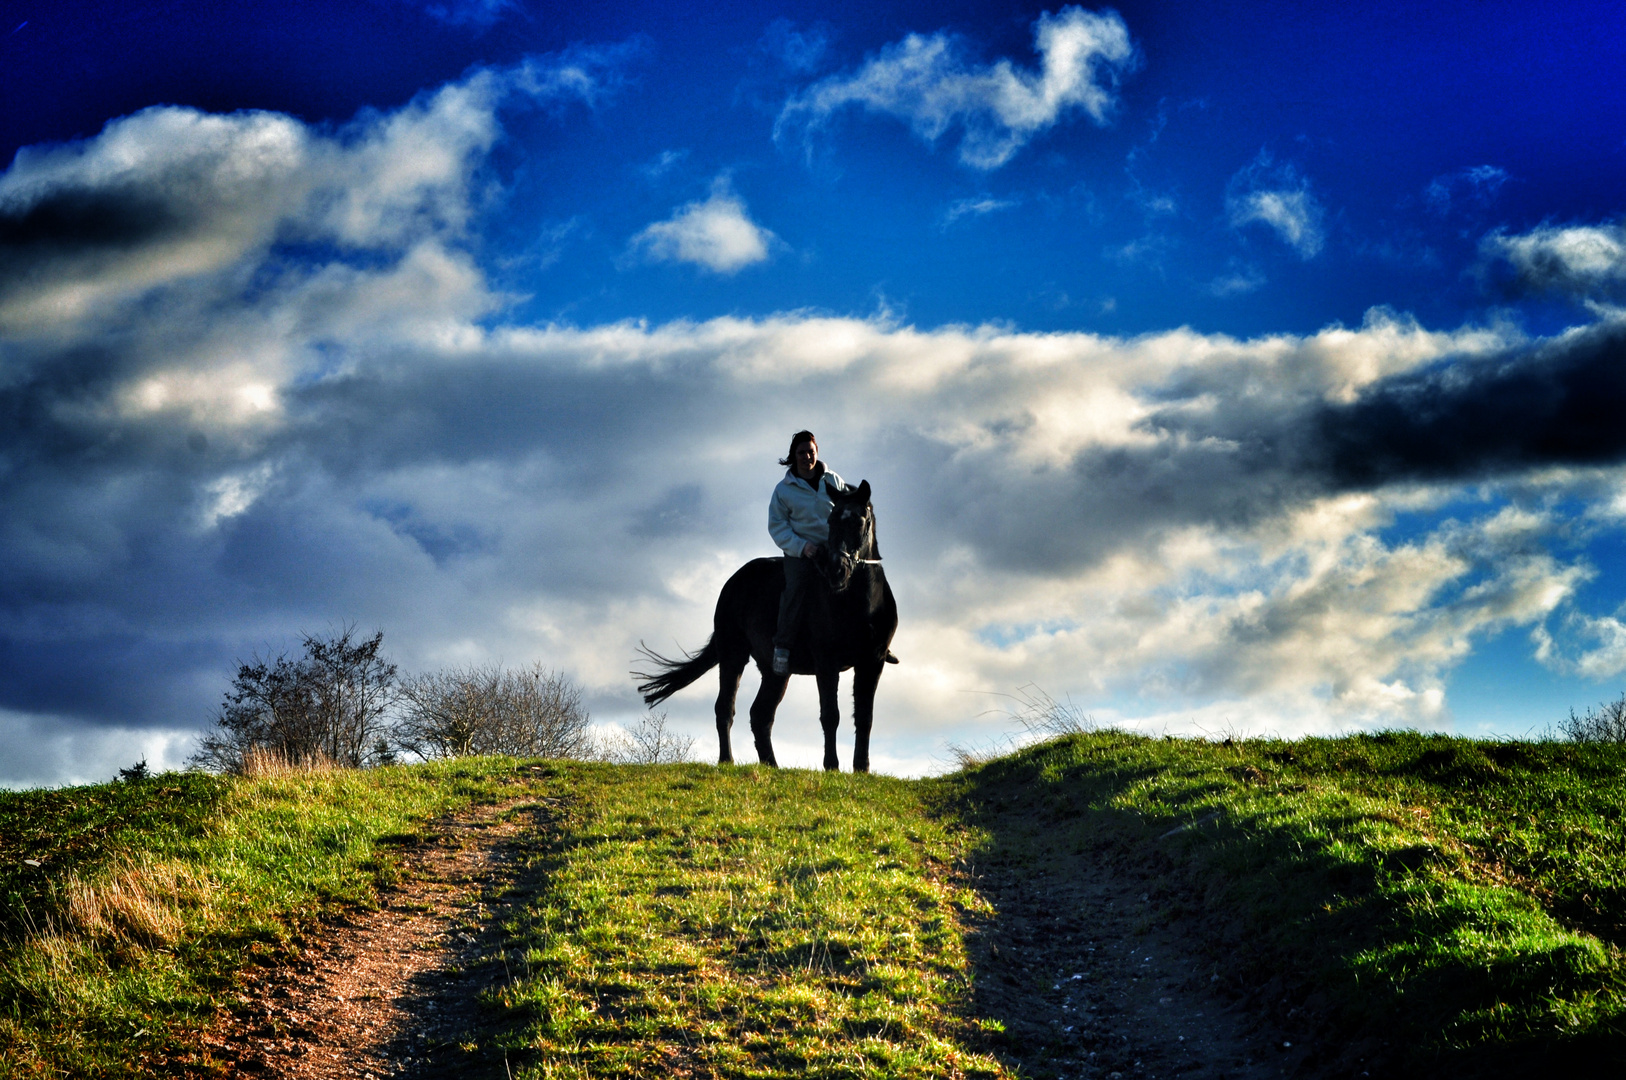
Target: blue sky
1216, 367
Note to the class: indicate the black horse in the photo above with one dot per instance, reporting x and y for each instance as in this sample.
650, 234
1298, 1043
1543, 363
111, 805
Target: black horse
848, 622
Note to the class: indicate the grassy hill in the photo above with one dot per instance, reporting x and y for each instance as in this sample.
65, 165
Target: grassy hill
1407, 902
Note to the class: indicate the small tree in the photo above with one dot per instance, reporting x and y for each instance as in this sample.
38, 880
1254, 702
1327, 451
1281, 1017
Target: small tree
529, 712
649, 742
1606, 723
330, 704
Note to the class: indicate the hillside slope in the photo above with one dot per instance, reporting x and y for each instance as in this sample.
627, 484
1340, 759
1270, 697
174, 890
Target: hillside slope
1100, 903
1398, 903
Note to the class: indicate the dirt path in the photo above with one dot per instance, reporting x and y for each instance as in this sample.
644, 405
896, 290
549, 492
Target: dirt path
392, 992
1085, 978
1088, 983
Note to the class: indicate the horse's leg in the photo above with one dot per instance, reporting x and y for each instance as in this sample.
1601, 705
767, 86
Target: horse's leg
830, 716
866, 677
728, 672
769, 695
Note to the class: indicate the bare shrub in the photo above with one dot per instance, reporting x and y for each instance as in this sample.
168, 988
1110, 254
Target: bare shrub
1604, 724
649, 742
330, 703
528, 712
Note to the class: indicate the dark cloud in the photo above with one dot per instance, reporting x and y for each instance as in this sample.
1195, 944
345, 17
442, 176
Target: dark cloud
1228, 451
132, 679
1560, 402
441, 541
75, 221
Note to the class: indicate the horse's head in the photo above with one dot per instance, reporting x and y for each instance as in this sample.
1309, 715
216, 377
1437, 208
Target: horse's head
852, 536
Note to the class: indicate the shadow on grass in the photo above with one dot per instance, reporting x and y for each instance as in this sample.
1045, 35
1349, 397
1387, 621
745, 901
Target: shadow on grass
1296, 885
454, 1033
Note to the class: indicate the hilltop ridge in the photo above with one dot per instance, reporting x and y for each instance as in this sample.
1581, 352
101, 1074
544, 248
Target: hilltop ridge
1098, 903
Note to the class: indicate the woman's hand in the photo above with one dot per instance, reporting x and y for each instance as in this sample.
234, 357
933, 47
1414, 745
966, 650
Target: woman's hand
811, 550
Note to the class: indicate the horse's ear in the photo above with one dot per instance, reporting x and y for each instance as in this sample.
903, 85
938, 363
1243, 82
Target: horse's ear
862, 494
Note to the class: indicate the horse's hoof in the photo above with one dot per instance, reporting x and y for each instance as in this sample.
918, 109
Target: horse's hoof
860, 766
831, 765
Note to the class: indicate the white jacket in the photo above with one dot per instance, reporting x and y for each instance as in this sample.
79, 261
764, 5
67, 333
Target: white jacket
798, 515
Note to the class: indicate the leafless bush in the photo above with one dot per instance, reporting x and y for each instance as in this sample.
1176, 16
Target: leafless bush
649, 742
529, 712
1604, 724
330, 703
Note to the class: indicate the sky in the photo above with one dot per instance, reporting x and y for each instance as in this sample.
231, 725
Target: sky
1218, 369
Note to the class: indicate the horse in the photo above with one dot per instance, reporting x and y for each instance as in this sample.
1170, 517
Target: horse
848, 622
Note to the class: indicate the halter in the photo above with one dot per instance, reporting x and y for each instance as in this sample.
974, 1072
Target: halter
849, 560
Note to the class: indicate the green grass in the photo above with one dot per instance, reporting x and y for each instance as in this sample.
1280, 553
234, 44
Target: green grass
149, 897
741, 922
1429, 898
45, 835
1413, 901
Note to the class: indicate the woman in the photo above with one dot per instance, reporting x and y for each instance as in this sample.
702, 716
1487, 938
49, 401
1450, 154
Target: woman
799, 522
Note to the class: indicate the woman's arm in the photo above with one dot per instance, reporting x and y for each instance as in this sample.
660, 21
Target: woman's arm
779, 527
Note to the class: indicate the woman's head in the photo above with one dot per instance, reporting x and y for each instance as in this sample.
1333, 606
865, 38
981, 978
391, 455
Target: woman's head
801, 444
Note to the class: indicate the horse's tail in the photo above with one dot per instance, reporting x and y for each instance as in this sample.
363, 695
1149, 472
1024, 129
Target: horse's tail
674, 675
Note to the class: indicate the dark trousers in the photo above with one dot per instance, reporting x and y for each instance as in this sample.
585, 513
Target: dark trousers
799, 574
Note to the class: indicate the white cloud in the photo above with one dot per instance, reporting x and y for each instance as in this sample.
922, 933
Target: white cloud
173, 193
1580, 259
1158, 526
47, 751
927, 82
797, 51
232, 494
1277, 196
717, 234
976, 207
480, 13
1148, 250
1591, 647
1239, 282
1479, 184
664, 162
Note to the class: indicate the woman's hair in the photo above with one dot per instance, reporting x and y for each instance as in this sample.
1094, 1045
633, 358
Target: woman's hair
799, 437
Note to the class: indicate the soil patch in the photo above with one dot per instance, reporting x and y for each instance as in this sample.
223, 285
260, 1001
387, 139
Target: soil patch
393, 992
1087, 982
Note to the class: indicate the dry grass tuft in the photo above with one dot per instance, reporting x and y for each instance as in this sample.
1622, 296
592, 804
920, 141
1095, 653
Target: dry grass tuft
261, 762
137, 903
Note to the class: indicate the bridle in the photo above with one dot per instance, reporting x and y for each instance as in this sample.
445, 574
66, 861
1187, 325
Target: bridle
849, 561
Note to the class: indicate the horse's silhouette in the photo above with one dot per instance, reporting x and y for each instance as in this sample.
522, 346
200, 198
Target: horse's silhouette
848, 622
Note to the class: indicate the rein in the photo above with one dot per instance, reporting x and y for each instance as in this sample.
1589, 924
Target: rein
850, 561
